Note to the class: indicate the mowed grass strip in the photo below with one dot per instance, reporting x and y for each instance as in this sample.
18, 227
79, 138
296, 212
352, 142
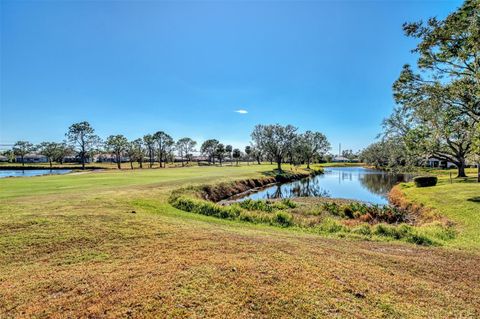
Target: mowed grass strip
71, 247
458, 199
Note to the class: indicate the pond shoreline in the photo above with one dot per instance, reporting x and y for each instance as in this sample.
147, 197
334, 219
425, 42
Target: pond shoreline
353, 183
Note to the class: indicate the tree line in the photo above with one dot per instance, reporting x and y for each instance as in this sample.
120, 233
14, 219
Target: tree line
274, 143
437, 111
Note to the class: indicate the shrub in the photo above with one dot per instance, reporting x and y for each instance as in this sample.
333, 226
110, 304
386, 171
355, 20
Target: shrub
250, 204
288, 203
348, 212
205, 208
364, 230
330, 225
254, 217
284, 219
420, 239
425, 181
332, 208
395, 232
403, 232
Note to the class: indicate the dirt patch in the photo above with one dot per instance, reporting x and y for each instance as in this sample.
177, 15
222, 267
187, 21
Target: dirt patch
418, 213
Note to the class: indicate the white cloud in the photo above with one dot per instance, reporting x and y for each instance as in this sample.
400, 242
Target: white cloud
241, 111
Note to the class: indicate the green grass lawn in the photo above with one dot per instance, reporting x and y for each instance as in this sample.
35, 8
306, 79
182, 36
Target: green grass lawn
456, 198
70, 246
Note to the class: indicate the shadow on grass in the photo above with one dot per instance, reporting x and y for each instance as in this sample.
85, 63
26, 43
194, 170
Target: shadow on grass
475, 199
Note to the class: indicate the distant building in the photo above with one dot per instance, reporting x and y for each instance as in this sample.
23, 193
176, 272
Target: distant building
32, 158
109, 158
3, 158
435, 162
340, 159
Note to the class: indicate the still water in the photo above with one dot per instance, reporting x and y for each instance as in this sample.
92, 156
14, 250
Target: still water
356, 183
32, 172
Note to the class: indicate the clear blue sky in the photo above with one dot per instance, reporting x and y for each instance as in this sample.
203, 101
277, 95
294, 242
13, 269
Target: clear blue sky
136, 67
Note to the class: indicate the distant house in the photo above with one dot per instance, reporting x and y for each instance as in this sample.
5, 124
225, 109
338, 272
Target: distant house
32, 158
200, 158
71, 159
340, 159
3, 158
109, 158
435, 162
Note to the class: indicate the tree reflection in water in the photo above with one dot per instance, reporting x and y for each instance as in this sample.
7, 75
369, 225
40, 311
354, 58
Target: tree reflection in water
356, 183
303, 188
381, 184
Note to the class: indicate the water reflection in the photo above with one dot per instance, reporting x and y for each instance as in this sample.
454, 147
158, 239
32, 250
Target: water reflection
304, 188
381, 184
31, 172
343, 182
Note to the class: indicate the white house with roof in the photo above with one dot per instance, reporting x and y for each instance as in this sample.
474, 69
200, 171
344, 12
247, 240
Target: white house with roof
340, 159
32, 158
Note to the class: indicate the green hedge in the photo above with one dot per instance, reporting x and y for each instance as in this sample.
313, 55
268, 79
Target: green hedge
425, 181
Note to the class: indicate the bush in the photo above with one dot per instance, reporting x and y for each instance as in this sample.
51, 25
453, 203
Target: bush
284, 219
261, 205
348, 212
330, 225
420, 239
395, 232
288, 203
206, 208
332, 208
425, 181
364, 230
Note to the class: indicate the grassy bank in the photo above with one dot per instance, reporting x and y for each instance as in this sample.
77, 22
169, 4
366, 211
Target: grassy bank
457, 199
71, 246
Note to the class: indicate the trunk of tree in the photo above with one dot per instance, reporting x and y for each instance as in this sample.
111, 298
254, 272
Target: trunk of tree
237, 161
308, 163
83, 155
258, 160
118, 162
478, 172
50, 163
140, 163
461, 169
131, 164
23, 161
279, 164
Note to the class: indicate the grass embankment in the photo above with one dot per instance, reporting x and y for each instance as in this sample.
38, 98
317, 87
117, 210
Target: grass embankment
317, 215
70, 246
457, 199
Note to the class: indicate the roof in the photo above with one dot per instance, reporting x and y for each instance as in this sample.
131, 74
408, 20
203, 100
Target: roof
34, 156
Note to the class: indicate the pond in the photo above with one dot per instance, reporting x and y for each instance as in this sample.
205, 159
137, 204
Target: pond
31, 172
357, 183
